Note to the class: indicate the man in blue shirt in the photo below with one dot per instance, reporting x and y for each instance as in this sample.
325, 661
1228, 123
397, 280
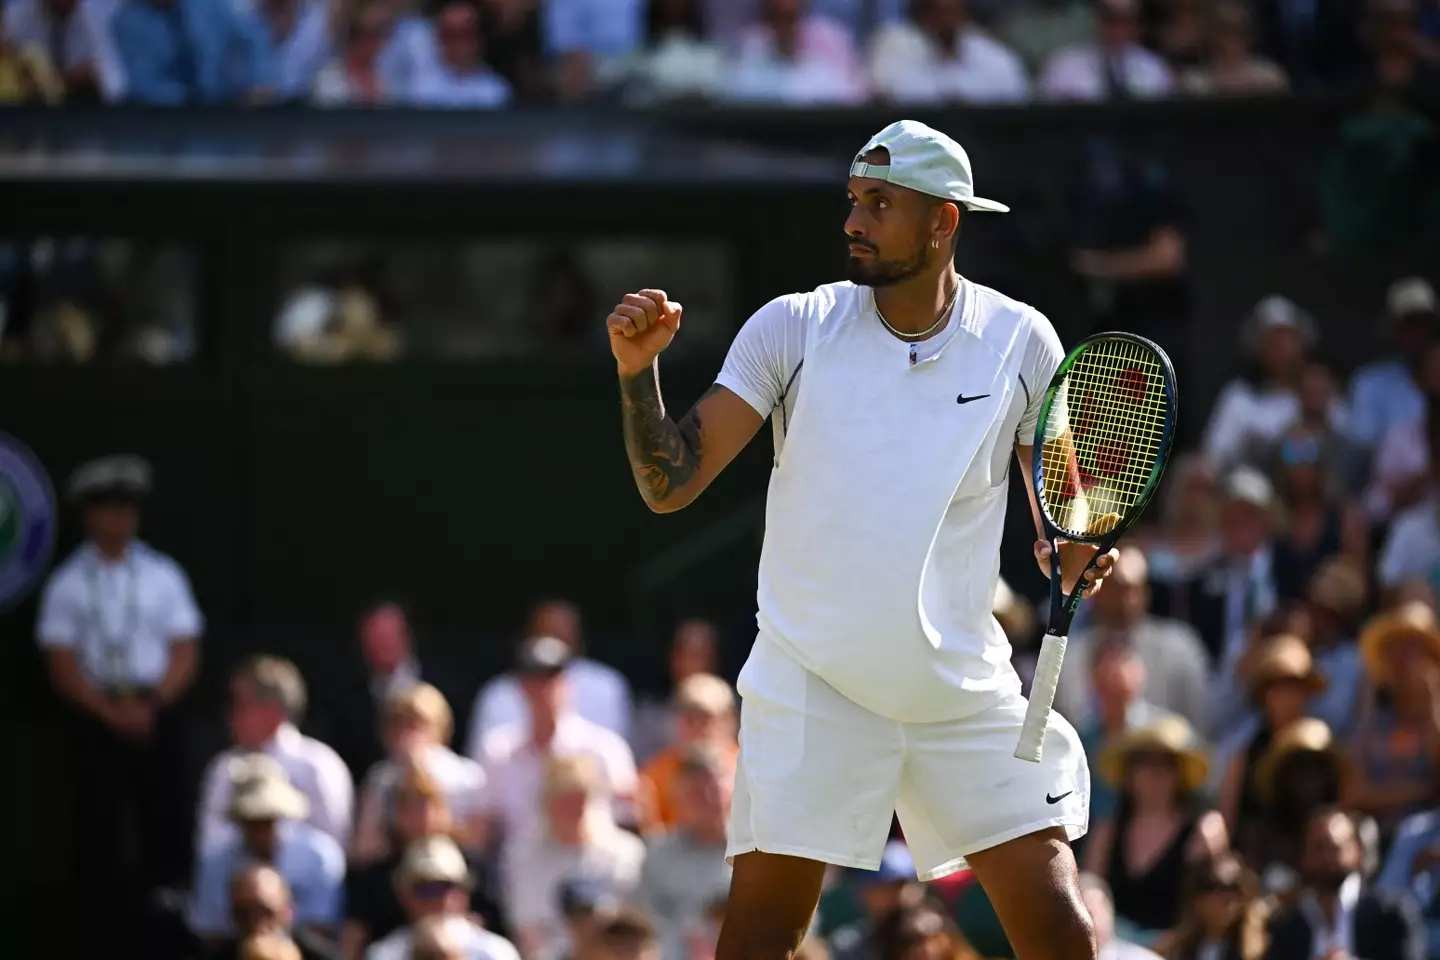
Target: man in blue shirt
183, 52
1413, 867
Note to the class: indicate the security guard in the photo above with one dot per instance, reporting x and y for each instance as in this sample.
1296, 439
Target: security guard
120, 629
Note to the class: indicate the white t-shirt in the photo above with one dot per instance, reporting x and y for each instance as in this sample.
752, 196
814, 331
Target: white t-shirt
476, 943
887, 498
909, 66
1080, 74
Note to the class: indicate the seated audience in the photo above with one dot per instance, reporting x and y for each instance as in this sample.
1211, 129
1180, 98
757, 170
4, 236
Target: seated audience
1412, 867
1222, 916
299, 34
417, 726
791, 57
1412, 546
1320, 522
628, 935
587, 39
576, 836
459, 77
267, 699
1301, 771
598, 693
354, 76
704, 715
1387, 391
1100, 904
260, 906
586, 904
882, 893
677, 60
685, 871
1230, 67
191, 52
1115, 68
938, 56
1336, 600
1396, 749
433, 884
1158, 827
694, 648
74, 37
919, 932
1395, 58
1184, 543
268, 815
1039, 29
1335, 912
1399, 470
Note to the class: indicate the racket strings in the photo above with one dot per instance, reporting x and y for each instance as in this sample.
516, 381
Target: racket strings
1103, 435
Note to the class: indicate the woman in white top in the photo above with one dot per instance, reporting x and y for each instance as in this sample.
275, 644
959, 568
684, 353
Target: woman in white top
354, 77
677, 60
938, 56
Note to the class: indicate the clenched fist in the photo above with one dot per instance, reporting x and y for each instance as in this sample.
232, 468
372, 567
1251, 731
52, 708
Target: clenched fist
640, 327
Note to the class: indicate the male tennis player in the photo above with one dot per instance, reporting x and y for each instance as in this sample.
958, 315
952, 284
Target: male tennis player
879, 681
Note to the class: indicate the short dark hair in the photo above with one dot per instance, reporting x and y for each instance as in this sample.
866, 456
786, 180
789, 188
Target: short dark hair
628, 930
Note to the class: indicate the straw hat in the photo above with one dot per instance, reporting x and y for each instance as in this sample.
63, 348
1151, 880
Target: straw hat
1169, 734
1284, 657
1306, 735
1339, 587
260, 790
1408, 620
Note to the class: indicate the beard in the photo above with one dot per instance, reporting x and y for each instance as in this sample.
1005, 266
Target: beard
884, 273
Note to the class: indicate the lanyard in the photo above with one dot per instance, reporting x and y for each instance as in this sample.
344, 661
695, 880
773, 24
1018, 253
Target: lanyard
113, 647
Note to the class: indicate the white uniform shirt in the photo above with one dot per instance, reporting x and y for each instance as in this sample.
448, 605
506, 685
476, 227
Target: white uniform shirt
598, 693
476, 943
887, 500
119, 616
313, 768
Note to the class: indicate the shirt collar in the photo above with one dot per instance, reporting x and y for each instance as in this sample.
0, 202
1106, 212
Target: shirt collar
287, 740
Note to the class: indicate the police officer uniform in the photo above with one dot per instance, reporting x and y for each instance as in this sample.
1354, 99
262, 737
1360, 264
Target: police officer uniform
121, 613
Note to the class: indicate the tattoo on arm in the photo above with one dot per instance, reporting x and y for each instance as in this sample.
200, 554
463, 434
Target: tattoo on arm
664, 455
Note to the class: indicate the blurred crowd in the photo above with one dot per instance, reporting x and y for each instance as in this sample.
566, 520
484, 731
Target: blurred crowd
483, 54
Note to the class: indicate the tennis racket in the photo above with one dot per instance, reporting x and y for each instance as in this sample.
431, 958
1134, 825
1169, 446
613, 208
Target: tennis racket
1104, 435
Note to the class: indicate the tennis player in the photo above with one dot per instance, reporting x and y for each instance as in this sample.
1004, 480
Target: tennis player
879, 682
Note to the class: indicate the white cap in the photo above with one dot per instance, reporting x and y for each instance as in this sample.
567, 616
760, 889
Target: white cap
1411, 295
1248, 485
1278, 312
924, 160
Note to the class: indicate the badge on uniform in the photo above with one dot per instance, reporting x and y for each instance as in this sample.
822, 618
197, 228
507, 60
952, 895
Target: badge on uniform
27, 520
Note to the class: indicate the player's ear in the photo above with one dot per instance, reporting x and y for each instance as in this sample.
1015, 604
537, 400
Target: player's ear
946, 224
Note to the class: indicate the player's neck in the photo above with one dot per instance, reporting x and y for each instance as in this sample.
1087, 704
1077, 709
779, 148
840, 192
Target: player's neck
913, 305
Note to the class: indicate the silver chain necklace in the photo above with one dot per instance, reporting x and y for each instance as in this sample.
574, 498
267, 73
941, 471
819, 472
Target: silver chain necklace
944, 314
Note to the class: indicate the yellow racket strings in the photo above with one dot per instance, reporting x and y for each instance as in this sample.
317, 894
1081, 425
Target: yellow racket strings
1103, 435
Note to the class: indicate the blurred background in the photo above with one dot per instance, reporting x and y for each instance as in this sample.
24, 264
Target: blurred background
312, 291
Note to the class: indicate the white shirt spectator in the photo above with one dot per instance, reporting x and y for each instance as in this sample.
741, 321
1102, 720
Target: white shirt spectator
439, 86
727, 18
461, 779
84, 38
675, 67
119, 616
1246, 419
1412, 548
1402, 457
476, 942
598, 693
1081, 73
313, 768
824, 69
515, 769
908, 65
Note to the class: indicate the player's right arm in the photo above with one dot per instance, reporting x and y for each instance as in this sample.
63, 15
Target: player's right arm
671, 462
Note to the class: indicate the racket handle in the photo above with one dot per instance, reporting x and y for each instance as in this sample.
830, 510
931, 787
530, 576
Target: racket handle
1042, 698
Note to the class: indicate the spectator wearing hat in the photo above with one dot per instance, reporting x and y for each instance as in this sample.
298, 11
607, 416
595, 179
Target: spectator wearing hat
261, 906
1387, 392
1399, 469
267, 700
1100, 904
433, 884
268, 815
881, 893
576, 835
1335, 601
1222, 916
1335, 915
120, 631
1175, 663
1158, 770
515, 755
1115, 68
704, 715
416, 727
685, 870
1300, 772
1396, 750
598, 693
694, 648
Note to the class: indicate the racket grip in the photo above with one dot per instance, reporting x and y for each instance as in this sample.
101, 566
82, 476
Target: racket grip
1042, 699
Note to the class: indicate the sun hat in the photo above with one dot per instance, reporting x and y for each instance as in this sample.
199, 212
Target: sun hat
924, 160
261, 790
1283, 657
1275, 313
123, 477
1306, 735
1411, 296
1414, 619
1169, 734
434, 859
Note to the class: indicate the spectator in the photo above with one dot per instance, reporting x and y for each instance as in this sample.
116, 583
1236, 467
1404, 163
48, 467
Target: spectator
120, 632
410, 50
1100, 904
269, 946
261, 906
791, 57
513, 30
460, 77
27, 76
939, 56
586, 904
588, 39
1231, 68
346, 317
1400, 470
1116, 68
1300, 772
417, 726
191, 52
628, 935
514, 756
882, 893
728, 18
577, 835
694, 649
1336, 600
1253, 411
1394, 58
75, 37
1314, 42
1039, 29
438, 938
433, 883
1412, 547
1222, 916
1335, 914
677, 60
1396, 751
1324, 418
1319, 522
268, 815
1387, 392
1185, 543
418, 810
1175, 662
599, 693
299, 34
704, 714
920, 932
354, 77
1158, 827
685, 871
1412, 868
1176, 30
267, 699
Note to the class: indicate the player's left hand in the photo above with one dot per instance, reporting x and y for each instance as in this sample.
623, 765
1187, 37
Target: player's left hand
1075, 557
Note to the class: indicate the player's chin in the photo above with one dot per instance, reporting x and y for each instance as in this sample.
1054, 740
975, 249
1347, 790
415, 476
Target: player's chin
863, 271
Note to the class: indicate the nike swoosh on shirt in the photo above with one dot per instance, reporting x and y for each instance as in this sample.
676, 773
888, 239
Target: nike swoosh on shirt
964, 399
1050, 799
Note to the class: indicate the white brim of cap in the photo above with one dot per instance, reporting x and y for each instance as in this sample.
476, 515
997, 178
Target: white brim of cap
984, 206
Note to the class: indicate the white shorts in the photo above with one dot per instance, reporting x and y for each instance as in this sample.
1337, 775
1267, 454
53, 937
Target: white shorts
819, 777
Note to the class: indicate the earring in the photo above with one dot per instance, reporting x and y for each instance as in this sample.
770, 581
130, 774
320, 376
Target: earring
935, 244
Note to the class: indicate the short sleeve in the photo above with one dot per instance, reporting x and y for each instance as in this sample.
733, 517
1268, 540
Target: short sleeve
183, 620
58, 625
765, 354
1043, 356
